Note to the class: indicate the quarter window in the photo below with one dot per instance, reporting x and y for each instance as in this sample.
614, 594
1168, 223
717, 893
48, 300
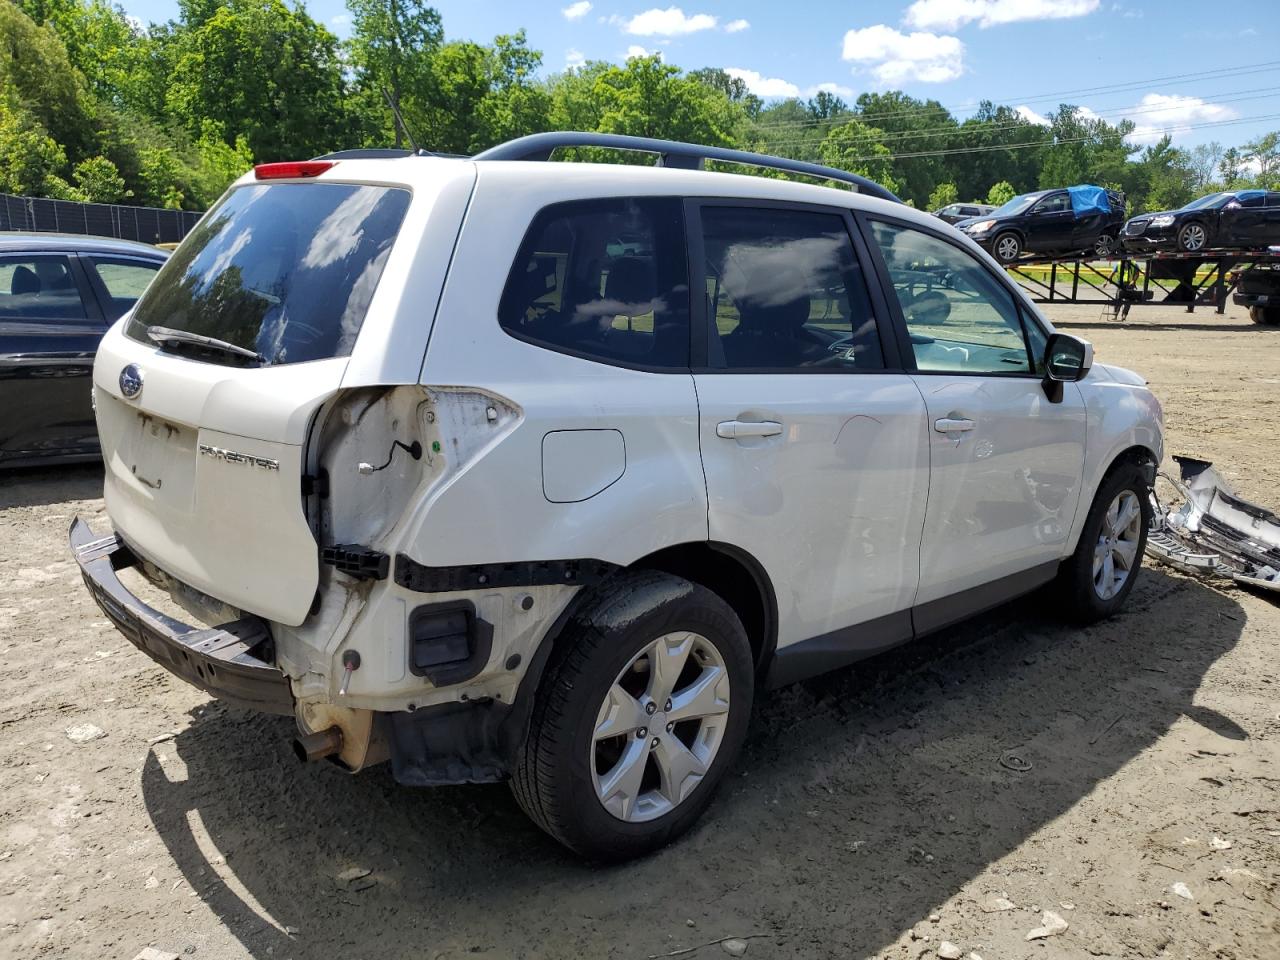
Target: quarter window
606, 279
39, 288
784, 292
960, 318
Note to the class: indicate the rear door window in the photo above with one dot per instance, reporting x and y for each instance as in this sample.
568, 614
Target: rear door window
606, 280
286, 270
123, 280
39, 288
785, 292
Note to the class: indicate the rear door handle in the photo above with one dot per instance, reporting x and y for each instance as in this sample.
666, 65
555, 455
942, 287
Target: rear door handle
953, 425
736, 429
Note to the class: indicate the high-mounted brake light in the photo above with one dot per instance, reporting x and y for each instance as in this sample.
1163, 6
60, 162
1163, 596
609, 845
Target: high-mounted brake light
291, 169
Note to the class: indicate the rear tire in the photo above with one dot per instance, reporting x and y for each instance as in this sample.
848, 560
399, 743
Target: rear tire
1098, 578
1105, 246
1266, 316
1007, 247
652, 650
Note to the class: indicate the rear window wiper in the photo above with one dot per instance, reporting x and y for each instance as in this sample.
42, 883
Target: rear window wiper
167, 336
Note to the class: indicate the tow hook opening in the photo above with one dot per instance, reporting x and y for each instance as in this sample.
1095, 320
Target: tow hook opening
310, 747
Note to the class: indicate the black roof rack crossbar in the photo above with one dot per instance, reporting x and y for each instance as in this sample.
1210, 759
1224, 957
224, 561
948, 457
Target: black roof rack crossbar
688, 156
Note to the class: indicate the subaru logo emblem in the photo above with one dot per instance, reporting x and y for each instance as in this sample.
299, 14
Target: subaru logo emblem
131, 381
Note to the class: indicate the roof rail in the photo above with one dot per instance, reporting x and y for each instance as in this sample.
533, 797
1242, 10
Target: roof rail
687, 156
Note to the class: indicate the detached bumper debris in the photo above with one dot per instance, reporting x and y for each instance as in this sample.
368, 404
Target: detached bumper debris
1215, 533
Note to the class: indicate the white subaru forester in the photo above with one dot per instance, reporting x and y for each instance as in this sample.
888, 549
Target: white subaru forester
536, 471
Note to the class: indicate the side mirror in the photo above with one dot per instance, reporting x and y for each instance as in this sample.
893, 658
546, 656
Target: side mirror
1067, 359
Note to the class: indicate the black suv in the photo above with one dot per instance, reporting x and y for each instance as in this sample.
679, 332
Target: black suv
1066, 220
1233, 218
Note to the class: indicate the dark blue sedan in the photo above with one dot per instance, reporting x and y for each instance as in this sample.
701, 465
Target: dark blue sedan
58, 295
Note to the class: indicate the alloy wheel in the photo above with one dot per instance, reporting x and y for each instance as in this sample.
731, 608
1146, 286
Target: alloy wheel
1102, 246
1193, 236
660, 726
1116, 553
1007, 248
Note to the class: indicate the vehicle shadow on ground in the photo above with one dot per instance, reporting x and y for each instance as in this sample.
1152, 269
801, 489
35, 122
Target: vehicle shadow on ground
863, 800
41, 486
1236, 329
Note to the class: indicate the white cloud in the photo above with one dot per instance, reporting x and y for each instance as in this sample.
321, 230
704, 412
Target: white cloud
574, 58
341, 20
1026, 113
736, 26
763, 86
635, 50
1159, 114
576, 11
670, 22
894, 57
836, 89
952, 14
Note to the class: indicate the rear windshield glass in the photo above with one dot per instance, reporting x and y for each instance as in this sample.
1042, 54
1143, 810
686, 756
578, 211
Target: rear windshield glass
285, 270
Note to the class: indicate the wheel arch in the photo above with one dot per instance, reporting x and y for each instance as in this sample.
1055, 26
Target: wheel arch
736, 577
1135, 454
730, 572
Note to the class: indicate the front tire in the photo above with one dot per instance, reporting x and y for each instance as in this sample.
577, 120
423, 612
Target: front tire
1098, 578
1104, 247
643, 707
1007, 247
1192, 238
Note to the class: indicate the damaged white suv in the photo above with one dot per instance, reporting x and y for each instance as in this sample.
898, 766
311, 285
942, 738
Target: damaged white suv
537, 471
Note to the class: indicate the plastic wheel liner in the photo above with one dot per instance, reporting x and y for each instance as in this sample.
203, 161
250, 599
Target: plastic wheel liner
1213, 532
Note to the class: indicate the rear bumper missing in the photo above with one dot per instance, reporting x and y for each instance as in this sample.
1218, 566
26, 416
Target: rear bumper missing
219, 660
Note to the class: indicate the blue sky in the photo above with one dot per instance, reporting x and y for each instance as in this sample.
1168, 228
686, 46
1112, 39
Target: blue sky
1116, 57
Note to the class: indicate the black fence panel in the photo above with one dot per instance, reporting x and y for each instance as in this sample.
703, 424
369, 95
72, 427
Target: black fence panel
145, 224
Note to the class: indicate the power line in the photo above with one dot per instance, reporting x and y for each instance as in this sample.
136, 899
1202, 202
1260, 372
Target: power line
1220, 73
1257, 93
1042, 143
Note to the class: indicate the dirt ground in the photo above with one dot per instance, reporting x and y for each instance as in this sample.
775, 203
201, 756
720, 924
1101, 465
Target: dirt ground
871, 814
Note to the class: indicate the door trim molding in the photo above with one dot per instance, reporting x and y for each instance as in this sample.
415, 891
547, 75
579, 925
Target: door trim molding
846, 646
936, 614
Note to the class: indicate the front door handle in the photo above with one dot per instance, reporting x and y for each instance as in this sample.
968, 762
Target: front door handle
953, 425
736, 429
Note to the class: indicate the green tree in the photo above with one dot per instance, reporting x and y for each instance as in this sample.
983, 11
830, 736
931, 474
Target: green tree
1231, 167
1265, 152
30, 159
944, 194
1001, 193
392, 44
648, 98
99, 181
857, 147
1087, 150
912, 126
734, 88
264, 71
1006, 147
1204, 159
1166, 177
101, 42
